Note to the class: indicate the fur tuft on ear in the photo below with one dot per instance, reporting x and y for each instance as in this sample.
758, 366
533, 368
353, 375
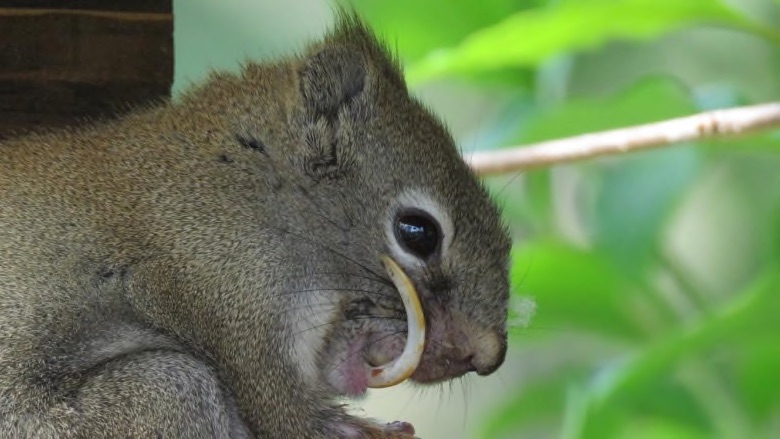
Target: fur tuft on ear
336, 70
351, 30
332, 77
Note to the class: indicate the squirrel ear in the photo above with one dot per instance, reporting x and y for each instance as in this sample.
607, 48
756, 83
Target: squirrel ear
332, 77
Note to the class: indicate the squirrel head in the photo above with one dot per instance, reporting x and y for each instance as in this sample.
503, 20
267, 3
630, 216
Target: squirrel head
338, 166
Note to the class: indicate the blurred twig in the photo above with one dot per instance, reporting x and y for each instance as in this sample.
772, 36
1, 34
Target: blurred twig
732, 121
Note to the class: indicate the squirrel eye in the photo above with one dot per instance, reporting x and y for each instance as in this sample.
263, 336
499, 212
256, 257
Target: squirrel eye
418, 234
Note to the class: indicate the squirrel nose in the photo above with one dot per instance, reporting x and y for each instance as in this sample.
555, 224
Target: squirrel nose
489, 353
457, 346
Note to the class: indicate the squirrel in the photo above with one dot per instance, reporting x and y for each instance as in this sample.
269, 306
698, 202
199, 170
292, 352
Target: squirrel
211, 266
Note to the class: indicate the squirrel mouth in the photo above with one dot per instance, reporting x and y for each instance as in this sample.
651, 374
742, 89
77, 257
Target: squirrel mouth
357, 372
398, 370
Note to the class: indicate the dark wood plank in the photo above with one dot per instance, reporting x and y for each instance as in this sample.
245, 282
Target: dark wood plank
64, 67
86, 47
164, 6
27, 106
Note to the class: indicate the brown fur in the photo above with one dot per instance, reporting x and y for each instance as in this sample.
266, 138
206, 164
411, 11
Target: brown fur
193, 269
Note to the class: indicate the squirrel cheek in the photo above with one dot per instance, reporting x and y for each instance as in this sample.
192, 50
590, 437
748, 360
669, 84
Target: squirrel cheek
311, 330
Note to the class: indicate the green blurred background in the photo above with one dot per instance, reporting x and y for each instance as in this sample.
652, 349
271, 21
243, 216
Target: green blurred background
655, 275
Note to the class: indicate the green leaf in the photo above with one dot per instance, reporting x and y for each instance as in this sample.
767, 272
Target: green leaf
636, 197
525, 202
756, 373
634, 194
620, 393
760, 143
528, 38
661, 400
415, 28
649, 100
573, 288
752, 310
659, 427
539, 403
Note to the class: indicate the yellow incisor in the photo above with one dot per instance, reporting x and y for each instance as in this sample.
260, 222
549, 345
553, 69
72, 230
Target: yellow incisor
404, 366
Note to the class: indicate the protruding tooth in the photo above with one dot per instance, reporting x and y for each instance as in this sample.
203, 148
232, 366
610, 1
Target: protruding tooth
404, 366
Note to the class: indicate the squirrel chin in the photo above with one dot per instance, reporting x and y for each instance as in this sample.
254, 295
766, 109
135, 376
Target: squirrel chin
350, 376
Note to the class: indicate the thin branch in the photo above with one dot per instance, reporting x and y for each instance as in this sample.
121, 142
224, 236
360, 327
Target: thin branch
732, 121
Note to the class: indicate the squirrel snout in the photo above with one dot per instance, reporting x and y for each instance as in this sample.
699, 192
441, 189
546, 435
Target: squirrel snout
457, 346
489, 351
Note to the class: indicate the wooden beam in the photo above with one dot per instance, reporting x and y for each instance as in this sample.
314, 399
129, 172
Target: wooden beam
63, 65
161, 6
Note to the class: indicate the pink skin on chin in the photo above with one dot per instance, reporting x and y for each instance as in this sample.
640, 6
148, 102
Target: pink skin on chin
352, 374
351, 379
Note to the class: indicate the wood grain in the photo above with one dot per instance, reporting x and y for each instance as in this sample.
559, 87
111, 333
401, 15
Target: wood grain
65, 66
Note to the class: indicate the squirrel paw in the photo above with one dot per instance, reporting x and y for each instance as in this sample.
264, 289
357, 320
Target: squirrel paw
370, 430
398, 429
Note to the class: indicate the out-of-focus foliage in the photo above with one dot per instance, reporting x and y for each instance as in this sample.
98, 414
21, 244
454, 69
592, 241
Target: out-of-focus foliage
662, 266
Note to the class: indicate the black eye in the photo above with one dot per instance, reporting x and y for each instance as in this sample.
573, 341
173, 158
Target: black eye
418, 233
